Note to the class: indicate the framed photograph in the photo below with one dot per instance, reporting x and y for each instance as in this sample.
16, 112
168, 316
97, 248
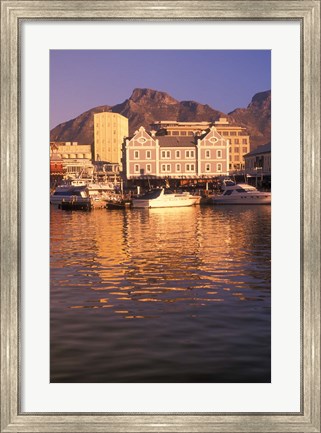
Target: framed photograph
180, 307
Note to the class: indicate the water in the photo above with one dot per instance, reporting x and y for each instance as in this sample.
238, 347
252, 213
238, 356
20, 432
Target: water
161, 295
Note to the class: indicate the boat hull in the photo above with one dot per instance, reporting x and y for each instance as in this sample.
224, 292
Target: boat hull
266, 199
76, 203
170, 202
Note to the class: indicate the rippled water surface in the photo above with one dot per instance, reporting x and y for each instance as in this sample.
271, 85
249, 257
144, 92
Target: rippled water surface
161, 295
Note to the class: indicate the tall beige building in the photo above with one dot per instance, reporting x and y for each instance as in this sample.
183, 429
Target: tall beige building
109, 132
239, 143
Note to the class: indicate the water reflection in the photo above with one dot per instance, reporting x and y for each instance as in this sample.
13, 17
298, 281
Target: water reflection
162, 265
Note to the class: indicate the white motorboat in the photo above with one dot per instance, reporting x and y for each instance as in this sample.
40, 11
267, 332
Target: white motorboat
67, 192
161, 197
242, 193
100, 192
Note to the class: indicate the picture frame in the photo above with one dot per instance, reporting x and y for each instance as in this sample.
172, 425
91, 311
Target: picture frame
307, 12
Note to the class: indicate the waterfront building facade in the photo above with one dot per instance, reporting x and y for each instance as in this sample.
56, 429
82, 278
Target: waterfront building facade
172, 127
176, 157
237, 137
239, 143
259, 161
107, 171
109, 132
75, 158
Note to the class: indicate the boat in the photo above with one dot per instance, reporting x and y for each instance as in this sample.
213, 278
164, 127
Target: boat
241, 193
123, 204
163, 197
66, 192
96, 190
197, 199
100, 192
73, 198
77, 203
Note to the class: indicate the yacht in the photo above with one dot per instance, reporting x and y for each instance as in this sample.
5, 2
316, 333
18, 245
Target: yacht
162, 197
96, 189
241, 193
67, 192
100, 192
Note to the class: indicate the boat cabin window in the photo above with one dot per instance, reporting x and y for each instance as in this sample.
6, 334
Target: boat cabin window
151, 194
228, 192
63, 193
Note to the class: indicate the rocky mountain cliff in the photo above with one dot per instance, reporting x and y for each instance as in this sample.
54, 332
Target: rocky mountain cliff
146, 105
256, 118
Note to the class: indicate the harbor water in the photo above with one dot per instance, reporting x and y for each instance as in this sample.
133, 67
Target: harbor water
161, 295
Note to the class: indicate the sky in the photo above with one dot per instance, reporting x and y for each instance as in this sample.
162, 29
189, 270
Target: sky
224, 79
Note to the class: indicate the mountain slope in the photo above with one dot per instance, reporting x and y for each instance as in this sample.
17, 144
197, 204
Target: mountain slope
256, 118
80, 129
146, 105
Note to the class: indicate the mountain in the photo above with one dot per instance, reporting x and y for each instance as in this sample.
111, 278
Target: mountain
256, 118
146, 105
80, 129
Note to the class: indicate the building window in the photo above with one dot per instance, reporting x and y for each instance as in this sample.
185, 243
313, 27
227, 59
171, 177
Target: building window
166, 167
244, 149
136, 168
148, 154
190, 167
178, 167
189, 153
207, 167
233, 133
219, 167
177, 154
236, 158
175, 132
236, 141
148, 168
244, 140
183, 132
218, 154
136, 154
207, 153
236, 150
225, 133
166, 154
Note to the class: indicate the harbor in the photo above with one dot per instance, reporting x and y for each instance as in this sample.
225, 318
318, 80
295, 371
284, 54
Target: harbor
165, 295
160, 222
79, 198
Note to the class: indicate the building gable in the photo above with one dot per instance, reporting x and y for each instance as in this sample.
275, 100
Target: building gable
141, 139
212, 139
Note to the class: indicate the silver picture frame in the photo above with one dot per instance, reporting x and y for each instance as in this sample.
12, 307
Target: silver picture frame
307, 12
